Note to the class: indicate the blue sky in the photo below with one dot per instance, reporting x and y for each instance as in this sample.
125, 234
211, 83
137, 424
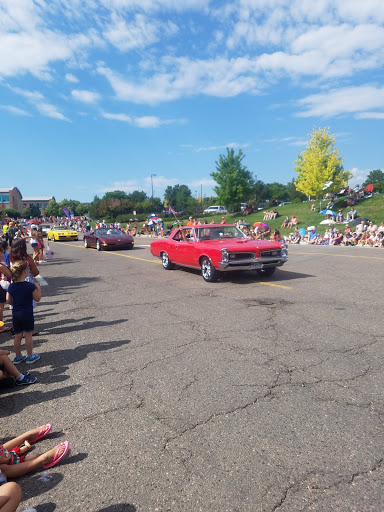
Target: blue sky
97, 95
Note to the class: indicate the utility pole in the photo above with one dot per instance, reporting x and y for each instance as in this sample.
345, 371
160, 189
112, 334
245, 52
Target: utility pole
152, 175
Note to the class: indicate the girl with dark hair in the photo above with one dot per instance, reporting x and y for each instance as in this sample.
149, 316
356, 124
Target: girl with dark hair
20, 295
19, 253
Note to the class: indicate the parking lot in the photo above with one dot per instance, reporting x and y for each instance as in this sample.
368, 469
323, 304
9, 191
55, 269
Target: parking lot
180, 395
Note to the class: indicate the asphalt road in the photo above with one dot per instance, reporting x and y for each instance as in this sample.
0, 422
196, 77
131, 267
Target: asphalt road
180, 395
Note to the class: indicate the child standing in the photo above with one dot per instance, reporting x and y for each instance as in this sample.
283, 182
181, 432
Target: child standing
20, 294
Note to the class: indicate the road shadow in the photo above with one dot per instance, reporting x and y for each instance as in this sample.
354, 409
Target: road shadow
121, 507
14, 400
46, 507
79, 324
248, 276
280, 276
62, 286
38, 483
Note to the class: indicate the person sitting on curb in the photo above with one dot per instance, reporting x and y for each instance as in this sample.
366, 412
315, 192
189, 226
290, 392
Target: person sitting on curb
10, 495
13, 464
8, 368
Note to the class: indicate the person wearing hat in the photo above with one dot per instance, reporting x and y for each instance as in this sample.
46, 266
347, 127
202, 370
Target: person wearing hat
339, 216
190, 222
222, 220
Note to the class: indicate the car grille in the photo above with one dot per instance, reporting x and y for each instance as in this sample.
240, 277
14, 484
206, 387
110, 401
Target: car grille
270, 254
236, 256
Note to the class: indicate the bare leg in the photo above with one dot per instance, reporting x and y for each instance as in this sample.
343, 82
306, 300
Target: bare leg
9, 366
17, 344
10, 497
21, 439
30, 464
28, 342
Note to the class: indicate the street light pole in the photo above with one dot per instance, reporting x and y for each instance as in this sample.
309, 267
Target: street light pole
152, 175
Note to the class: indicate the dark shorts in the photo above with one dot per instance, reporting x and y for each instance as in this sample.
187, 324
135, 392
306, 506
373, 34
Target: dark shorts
22, 322
35, 244
3, 295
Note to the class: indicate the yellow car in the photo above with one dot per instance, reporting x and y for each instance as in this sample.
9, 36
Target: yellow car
58, 233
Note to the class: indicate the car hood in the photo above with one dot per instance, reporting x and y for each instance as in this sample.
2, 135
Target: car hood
245, 245
116, 238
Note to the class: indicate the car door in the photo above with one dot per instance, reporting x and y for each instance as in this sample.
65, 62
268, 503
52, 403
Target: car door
187, 250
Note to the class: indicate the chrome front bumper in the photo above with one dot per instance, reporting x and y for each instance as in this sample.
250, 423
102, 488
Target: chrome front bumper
255, 264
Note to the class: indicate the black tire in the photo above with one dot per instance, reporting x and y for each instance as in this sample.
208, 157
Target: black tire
130, 247
98, 247
266, 272
85, 243
208, 271
167, 263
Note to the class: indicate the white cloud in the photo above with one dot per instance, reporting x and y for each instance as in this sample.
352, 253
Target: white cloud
117, 117
38, 100
231, 145
344, 100
86, 96
15, 110
71, 78
205, 182
358, 176
49, 110
370, 115
139, 33
126, 186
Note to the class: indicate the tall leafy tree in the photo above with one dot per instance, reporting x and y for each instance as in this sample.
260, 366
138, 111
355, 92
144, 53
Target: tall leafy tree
319, 167
234, 181
373, 177
178, 196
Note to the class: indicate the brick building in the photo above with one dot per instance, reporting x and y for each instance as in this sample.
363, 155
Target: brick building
40, 202
11, 198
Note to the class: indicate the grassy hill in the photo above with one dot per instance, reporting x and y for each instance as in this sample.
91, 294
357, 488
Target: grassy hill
371, 208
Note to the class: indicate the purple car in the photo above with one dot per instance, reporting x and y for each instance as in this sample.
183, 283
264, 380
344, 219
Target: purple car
108, 238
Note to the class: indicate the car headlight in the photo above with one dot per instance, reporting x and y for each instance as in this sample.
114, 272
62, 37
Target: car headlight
284, 251
224, 255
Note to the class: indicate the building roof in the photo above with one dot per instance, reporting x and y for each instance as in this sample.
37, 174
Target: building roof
37, 199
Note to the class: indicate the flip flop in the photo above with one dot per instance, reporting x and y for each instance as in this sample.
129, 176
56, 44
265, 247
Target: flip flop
44, 430
57, 458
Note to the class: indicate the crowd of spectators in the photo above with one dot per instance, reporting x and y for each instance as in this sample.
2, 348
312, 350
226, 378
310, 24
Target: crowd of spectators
365, 234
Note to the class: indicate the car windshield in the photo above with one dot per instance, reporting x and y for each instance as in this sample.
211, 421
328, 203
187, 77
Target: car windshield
61, 228
217, 233
108, 231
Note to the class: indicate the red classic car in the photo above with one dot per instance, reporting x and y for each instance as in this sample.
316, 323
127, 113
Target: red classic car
216, 248
108, 238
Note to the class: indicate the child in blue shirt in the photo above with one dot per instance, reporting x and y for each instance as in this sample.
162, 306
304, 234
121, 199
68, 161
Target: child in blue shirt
20, 294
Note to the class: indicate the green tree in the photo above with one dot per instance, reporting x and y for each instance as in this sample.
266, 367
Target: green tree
93, 208
178, 196
116, 194
12, 213
293, 194
137, 196
234, 181
35, 211
25, 213
52, 210
276, 191
373, 177
319, 167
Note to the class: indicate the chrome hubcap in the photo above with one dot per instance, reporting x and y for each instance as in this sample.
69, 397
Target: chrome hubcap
206, 268
165, 259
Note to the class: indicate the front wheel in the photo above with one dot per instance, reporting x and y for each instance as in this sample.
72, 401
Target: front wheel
85, 243
208, 271
98, 247
266, 272
167, 263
